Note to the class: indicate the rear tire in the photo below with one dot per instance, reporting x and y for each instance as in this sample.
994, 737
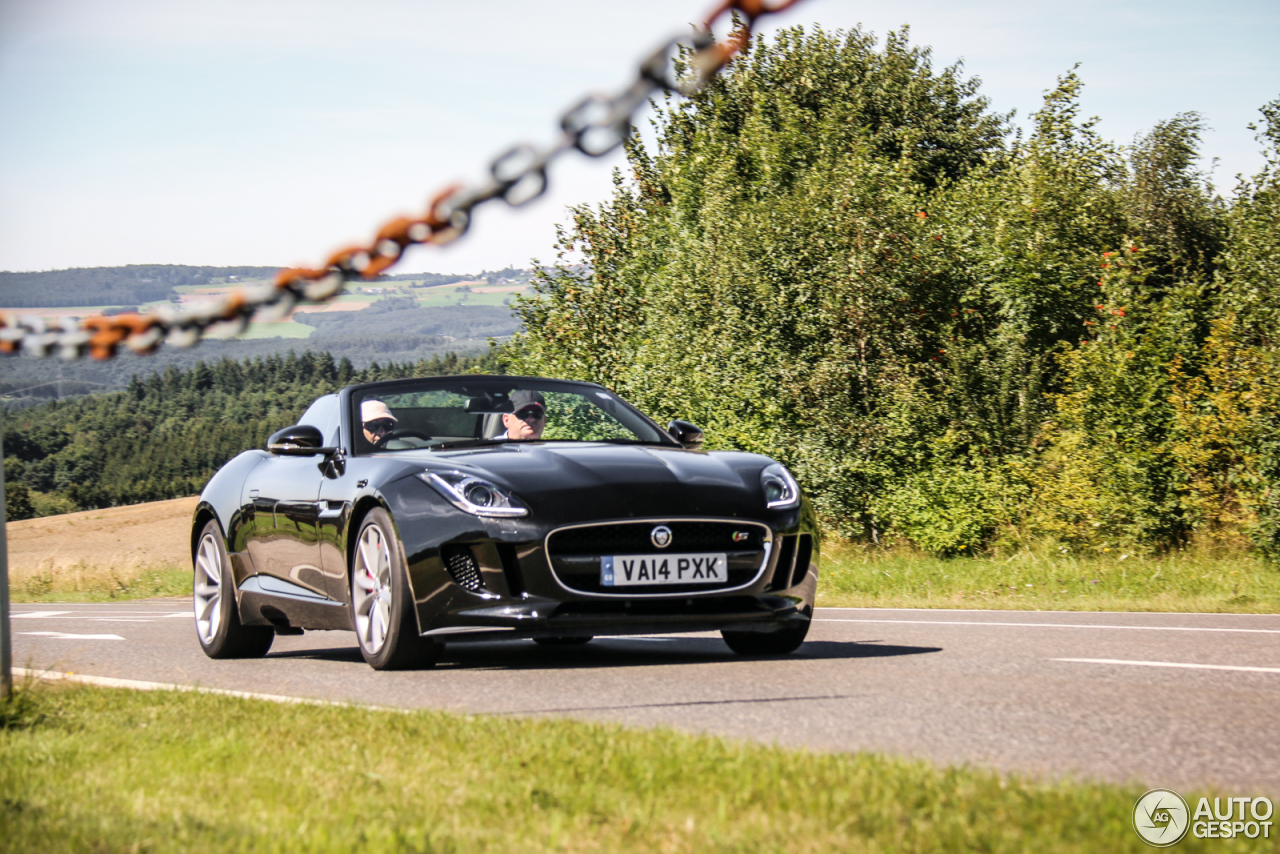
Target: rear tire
564, 641
381, 604
782, 642
218, 626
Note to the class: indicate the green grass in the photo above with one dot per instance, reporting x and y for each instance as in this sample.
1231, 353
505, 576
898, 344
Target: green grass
1232, 582
100, 770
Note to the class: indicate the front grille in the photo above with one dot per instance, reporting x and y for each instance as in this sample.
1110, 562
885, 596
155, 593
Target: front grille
633, 538
575, 553
463, 567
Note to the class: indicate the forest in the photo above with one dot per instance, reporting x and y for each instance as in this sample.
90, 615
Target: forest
960, 336
166, 435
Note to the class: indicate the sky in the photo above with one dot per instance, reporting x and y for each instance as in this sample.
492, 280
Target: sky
271, 132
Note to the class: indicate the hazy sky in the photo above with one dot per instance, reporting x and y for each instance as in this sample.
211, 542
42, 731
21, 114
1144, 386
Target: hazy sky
274, 131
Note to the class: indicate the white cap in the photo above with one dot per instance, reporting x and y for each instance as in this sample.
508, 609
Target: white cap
372, 410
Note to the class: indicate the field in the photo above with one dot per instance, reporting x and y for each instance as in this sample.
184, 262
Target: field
467, 293
123, 552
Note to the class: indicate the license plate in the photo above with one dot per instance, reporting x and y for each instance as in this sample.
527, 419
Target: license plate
632, 570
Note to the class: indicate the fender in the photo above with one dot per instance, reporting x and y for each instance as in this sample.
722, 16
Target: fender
222, 499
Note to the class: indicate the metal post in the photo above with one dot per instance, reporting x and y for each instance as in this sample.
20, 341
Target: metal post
6, 654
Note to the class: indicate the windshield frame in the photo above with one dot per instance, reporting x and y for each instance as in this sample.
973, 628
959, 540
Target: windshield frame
352, 395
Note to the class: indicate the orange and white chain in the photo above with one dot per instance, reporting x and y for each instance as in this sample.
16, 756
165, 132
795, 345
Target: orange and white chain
595, 125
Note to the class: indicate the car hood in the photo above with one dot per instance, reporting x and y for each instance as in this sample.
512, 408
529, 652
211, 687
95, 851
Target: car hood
564, 480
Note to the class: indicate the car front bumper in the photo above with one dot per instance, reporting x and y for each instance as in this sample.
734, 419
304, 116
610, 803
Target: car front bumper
549, 618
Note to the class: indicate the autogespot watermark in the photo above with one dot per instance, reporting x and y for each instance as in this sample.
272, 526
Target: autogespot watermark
1162, 818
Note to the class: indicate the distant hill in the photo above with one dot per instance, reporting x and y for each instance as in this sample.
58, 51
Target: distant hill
135, 284
126, 286
392, 329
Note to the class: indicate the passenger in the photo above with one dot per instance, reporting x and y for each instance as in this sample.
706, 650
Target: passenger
378, 421
528, 417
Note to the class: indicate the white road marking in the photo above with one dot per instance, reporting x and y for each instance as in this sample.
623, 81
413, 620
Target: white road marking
107, 682
190, 615
1048, 625
825, 608
36, 615
119, 620
65, 636
88, 615
1170, 664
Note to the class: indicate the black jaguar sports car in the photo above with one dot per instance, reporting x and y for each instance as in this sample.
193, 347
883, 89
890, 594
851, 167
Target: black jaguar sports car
425, 511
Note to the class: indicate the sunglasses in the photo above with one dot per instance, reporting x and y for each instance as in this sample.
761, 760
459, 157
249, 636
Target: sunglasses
531, 413
382, 425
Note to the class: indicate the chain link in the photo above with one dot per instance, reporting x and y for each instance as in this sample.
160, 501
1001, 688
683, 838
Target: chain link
594, 126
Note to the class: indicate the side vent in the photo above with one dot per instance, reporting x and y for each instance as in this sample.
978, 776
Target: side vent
786, 557
463, 567
804, 554
511, 568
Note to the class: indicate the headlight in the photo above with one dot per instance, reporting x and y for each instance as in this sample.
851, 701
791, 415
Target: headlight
780, 489
474, 495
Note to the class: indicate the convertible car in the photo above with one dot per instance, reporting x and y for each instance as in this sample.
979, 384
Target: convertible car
430, 511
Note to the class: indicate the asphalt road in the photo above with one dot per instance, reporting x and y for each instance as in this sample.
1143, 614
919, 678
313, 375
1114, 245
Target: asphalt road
1156, 700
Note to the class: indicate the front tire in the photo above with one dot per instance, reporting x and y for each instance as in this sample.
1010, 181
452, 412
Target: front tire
381, 604
782, 642
218, 626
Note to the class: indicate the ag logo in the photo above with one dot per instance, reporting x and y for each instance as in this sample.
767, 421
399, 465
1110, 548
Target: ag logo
661, 536
1161, 818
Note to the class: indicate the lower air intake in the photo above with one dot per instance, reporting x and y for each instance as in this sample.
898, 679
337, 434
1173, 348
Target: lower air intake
462, 566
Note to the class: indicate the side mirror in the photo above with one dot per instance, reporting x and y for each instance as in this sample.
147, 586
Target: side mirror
689, 435
300, 440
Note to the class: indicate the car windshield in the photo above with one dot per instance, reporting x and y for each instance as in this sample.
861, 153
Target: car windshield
453, 412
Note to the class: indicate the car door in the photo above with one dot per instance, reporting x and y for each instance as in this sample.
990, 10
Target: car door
284, 492
283, 540
339, 485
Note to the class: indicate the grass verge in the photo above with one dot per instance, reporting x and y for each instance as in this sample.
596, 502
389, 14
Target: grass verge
94, 769
82, 583
1235, 582
1190, 581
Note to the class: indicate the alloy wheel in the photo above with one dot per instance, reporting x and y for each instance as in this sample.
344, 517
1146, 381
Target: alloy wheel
371, 589
207, 596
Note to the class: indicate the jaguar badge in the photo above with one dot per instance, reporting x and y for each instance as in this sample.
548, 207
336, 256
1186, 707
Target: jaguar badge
661, 536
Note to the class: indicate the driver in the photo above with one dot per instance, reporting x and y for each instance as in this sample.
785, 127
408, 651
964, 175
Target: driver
528, 417
378, 421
